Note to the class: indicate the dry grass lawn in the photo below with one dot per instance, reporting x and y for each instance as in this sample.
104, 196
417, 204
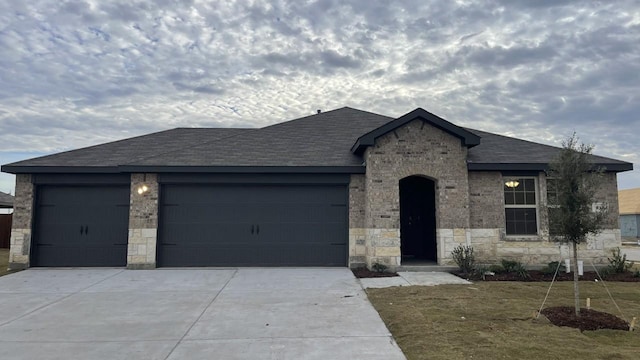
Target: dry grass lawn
4, 262
492, 320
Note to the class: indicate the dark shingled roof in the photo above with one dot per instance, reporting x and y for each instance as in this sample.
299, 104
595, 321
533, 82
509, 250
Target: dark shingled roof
321, 141
6, 201
498, 152
324, 139
112, 154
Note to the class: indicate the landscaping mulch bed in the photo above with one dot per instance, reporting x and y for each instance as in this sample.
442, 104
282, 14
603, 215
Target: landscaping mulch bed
366, 273
588, 320
536, 275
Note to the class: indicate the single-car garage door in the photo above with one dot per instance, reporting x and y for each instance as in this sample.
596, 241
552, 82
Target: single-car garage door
253, 225
81, 226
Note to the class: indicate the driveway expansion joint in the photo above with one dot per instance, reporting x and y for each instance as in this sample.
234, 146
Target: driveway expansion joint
201, 314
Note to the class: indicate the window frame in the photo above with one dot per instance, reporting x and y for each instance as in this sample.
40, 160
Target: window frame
550, 204
522, 206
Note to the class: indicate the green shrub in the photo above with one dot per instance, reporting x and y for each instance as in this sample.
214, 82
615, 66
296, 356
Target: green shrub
510, 265
480, 272
618, 262
497, 269
551, 267
521, 271
377, 267
464, 258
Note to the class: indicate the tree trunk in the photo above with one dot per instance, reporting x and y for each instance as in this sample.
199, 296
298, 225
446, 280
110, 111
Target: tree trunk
576, 290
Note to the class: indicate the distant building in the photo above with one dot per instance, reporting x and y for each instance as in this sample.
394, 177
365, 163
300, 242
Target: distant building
629, 201
6, 201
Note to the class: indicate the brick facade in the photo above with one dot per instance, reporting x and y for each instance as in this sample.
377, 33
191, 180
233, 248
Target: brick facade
22, 222
469, 205
469, 208
143, 222
413, 149
357, 231
489, 239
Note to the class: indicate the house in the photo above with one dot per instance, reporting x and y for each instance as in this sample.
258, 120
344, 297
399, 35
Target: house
338, 188
6, 201
629, 204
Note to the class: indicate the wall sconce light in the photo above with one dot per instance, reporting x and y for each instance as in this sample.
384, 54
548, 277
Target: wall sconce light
142, 189
512, 183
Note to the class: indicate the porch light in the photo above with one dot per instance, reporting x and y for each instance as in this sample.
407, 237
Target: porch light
142, 189
512, 183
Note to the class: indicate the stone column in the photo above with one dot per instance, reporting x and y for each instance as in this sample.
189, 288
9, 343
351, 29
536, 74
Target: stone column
20, 245
143, 222
357, 230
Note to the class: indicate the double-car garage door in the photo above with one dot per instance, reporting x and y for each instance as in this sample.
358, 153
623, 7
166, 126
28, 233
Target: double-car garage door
252, 225
199, 225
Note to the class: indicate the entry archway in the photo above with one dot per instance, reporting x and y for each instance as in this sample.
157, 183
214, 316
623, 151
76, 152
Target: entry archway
418, 219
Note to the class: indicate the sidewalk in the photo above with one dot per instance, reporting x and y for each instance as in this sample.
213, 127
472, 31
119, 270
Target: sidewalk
413, 278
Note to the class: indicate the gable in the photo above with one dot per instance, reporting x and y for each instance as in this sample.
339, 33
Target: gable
467, 138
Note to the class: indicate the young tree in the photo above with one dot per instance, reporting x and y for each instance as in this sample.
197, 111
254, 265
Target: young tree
573, 217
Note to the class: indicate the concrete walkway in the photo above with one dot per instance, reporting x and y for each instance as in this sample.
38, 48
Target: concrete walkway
414, 278
632, 252
190, 314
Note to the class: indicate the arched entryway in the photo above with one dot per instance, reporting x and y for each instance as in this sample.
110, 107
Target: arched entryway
418, 219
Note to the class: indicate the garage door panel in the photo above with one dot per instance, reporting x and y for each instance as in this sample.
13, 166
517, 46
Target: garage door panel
191, 234
253, 225
201, 213
80, 255
81, 226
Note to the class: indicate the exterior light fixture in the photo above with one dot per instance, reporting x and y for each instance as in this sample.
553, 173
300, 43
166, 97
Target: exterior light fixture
512, 183
143, 188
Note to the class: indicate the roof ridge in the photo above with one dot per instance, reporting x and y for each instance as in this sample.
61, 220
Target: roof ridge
323, 113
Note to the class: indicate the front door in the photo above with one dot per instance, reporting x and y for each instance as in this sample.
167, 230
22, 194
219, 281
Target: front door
417, 219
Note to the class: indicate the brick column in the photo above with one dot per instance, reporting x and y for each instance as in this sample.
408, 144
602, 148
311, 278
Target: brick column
143, 222
20, 245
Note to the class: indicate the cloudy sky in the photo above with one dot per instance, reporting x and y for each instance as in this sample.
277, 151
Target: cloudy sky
78, 73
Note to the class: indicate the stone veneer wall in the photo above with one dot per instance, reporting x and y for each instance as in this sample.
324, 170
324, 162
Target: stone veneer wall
490, 243
143, 223
22, 219
357, 247
414, 149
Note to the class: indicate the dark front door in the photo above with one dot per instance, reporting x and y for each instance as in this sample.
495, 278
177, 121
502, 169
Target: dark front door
253, 225
417, 219
81, 226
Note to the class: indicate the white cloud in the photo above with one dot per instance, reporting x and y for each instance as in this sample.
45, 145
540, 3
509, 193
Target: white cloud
78, 73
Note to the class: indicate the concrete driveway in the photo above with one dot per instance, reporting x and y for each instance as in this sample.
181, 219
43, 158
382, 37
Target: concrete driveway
254, 313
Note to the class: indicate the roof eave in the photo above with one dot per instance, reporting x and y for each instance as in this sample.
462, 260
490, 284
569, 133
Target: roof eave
181, 169
31, 169
245, 169
621, 167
